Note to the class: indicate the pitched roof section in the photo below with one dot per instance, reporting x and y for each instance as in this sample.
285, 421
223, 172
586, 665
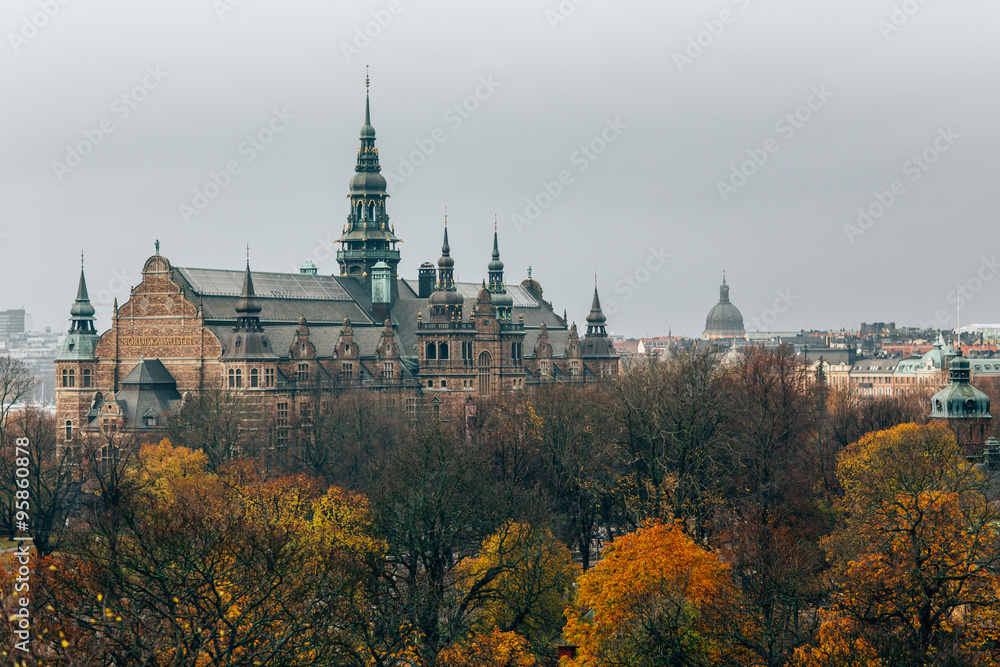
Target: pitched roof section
149, 371
221, 282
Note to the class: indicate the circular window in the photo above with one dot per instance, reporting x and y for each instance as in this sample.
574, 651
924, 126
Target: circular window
144, 305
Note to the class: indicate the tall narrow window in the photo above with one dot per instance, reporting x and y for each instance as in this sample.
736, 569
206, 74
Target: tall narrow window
302, 374
254, 378
85, 378
443, 351
72, 378
269, 377
239, 378
485, 362
431, 351
69, 429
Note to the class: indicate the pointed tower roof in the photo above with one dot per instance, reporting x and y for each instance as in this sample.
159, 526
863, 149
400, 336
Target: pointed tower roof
248, 340
596, 316
81, 342
596, 343
82, 309
248, 303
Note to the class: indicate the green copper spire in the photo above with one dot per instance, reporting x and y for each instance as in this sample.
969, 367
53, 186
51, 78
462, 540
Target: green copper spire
368, 237
503, 301
81, 342
82, 312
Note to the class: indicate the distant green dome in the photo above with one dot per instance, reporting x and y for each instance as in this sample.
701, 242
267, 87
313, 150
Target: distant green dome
308, 267
960, 400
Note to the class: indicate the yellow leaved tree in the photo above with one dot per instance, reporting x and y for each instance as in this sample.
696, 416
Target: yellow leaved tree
915, 562
651, 601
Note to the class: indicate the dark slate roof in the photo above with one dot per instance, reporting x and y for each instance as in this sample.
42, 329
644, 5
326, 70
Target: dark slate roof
149, 371
325, 301
149, 390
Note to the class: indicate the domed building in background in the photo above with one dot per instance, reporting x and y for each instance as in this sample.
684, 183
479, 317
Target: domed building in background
725, 319
963, 409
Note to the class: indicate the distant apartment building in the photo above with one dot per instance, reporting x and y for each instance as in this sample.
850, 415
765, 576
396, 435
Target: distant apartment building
12, 322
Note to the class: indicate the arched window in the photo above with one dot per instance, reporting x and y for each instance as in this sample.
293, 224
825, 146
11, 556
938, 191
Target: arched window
254, 378
431, 351
485, 362
443, 351
361, 211
68, 377
85, 379
232, 378
239, 378
69, 429
371, 211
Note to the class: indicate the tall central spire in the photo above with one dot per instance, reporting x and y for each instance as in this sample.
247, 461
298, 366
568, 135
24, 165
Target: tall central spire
368, 237
248, 307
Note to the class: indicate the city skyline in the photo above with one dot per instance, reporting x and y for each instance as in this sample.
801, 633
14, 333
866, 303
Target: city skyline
819, 155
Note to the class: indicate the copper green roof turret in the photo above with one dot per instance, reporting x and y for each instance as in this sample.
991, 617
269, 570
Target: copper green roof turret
502, 301
82, 312
446, 302
81, 343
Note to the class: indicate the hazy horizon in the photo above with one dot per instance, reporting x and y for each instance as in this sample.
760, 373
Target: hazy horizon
647, 144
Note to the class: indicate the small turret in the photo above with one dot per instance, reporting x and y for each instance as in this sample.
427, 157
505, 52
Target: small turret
82, 339
446, 302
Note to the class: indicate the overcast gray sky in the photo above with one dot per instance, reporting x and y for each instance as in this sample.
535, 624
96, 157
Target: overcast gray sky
667, 98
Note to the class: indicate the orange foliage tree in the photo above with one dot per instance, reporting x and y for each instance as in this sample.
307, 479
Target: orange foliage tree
915, 562
210, 569
651, 601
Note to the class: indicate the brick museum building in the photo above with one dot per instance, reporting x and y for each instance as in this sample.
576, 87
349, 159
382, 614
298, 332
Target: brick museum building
429, 344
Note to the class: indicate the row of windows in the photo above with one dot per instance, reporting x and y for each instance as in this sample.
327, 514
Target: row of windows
253, 381
69, 378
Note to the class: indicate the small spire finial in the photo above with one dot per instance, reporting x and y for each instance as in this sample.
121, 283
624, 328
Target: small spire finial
445, 216
529, 271
494, 223
157, 246
248, 253
81, 259
367, 80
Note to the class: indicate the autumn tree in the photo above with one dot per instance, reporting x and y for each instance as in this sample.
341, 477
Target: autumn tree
212, 569
224, 424
532, 587
916, 561
345, 437
650, 601
671, 416
772, 520
579, 462
54, 479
